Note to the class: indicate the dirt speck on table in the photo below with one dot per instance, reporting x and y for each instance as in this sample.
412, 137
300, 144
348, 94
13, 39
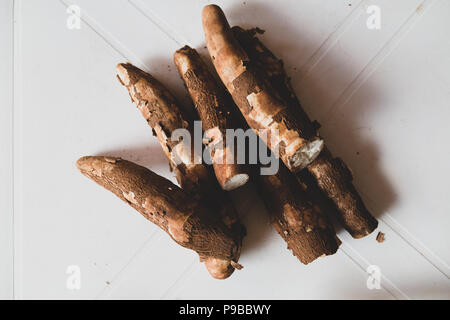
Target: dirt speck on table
380, 237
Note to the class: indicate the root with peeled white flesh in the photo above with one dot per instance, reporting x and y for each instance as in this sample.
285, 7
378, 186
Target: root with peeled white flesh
291, 137
211, 101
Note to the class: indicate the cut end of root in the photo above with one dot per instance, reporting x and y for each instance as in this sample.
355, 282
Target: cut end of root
236, 181
122, 73
305, 155
370, 224
125, 73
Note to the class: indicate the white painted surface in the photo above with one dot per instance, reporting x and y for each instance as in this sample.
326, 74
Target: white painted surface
382, 97
6, 163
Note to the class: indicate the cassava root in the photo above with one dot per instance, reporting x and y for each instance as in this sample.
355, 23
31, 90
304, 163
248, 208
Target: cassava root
210, 101
302, 224
185, 219
330, 174
259, 103
164, 115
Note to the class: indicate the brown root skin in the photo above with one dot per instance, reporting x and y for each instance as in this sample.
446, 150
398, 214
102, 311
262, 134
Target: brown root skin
335, 180
260, 104
185, 219
299, 222
162, 112
210, 101
331, 175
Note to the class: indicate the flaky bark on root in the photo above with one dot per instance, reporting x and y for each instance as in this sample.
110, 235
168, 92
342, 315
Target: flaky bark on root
299, 222
331, 174
260, 104
210, 101
335, 180
186, 220
163, 114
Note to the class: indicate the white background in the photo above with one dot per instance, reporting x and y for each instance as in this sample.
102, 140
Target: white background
382, 97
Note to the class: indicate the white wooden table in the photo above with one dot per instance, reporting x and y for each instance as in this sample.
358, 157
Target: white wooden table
382, 96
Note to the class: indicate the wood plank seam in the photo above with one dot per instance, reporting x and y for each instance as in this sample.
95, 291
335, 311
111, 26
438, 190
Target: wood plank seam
418, 245
363, 263
331, 41
112, 41
377, 60
159, 23
118, 277
425, 252
181, 280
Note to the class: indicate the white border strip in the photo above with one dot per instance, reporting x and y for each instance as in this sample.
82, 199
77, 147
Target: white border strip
17, 150
6, 145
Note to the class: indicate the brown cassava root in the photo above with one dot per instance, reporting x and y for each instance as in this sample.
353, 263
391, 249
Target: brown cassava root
163, 114
331, 174
260, 104
210, 101
302, 224
185, 219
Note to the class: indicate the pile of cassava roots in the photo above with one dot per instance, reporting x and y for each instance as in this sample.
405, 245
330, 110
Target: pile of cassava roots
310, 188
